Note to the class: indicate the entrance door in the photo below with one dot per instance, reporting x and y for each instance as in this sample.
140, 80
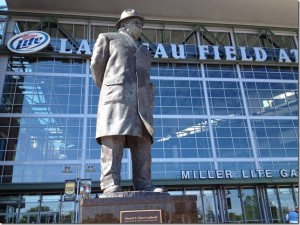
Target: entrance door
241, 205
286, 201
251, 206
206, 204
232, 205
209, 206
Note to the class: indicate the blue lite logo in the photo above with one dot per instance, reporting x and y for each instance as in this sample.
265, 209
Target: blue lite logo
28, 42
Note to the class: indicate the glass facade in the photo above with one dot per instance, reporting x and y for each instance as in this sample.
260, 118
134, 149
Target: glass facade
208, 116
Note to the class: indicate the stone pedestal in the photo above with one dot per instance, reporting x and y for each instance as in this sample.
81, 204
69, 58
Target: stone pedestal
139, 207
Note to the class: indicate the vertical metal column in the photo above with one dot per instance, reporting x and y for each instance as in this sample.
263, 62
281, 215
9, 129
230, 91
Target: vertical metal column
249, 126
8, 33
298, 56
220, 199
261, 194
211, 135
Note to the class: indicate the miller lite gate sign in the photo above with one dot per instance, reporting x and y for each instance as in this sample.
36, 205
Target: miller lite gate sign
33, 41
28, 42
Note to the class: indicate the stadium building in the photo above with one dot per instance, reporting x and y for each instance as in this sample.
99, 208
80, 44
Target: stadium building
225, 115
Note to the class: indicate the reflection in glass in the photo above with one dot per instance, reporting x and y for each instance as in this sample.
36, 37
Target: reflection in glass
67, 212
188, 138
225, 98
271, 98
276, 138
43, 95
232, 138
269, 72
209, 206
233, 205
29, 209
220, 71
158, 170
9, 208
288, 203
45, 138
251, 205
198, 203
47, 65
273, 205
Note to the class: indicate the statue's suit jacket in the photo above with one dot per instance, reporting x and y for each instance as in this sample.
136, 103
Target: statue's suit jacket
120, 67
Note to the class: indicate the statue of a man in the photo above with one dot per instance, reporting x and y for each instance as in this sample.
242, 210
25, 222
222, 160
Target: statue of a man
120, 66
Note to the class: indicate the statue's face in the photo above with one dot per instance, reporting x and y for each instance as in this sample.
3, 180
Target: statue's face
134, 27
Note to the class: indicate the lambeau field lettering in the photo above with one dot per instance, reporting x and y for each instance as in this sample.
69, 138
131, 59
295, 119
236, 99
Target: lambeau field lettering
204, 52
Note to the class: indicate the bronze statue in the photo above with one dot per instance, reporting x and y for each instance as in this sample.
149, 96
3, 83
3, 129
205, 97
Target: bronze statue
120, 66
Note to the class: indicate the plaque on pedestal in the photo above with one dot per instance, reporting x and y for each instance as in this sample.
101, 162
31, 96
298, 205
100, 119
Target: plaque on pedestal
139, 207
141, 216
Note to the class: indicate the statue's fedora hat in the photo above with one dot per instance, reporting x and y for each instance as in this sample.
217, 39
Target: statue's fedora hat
128, 14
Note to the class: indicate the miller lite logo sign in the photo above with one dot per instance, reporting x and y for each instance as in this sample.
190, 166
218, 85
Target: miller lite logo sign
28, 42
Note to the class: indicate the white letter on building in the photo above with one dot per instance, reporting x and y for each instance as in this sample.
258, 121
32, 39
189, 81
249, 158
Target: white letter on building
63, 45
228, 174
230, 53
260, 54
175, 53
283, 173
243, 174
268, 173
283, 56
219, 174
160, 50
293, 173
203, 51
216, 52
244, 54
185, 175
84, 46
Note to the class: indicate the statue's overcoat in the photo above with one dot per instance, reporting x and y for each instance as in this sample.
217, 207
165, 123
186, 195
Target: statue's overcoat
120, 67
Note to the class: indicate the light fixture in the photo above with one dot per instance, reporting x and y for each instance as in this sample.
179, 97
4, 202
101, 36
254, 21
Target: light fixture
67, 169
90, 168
